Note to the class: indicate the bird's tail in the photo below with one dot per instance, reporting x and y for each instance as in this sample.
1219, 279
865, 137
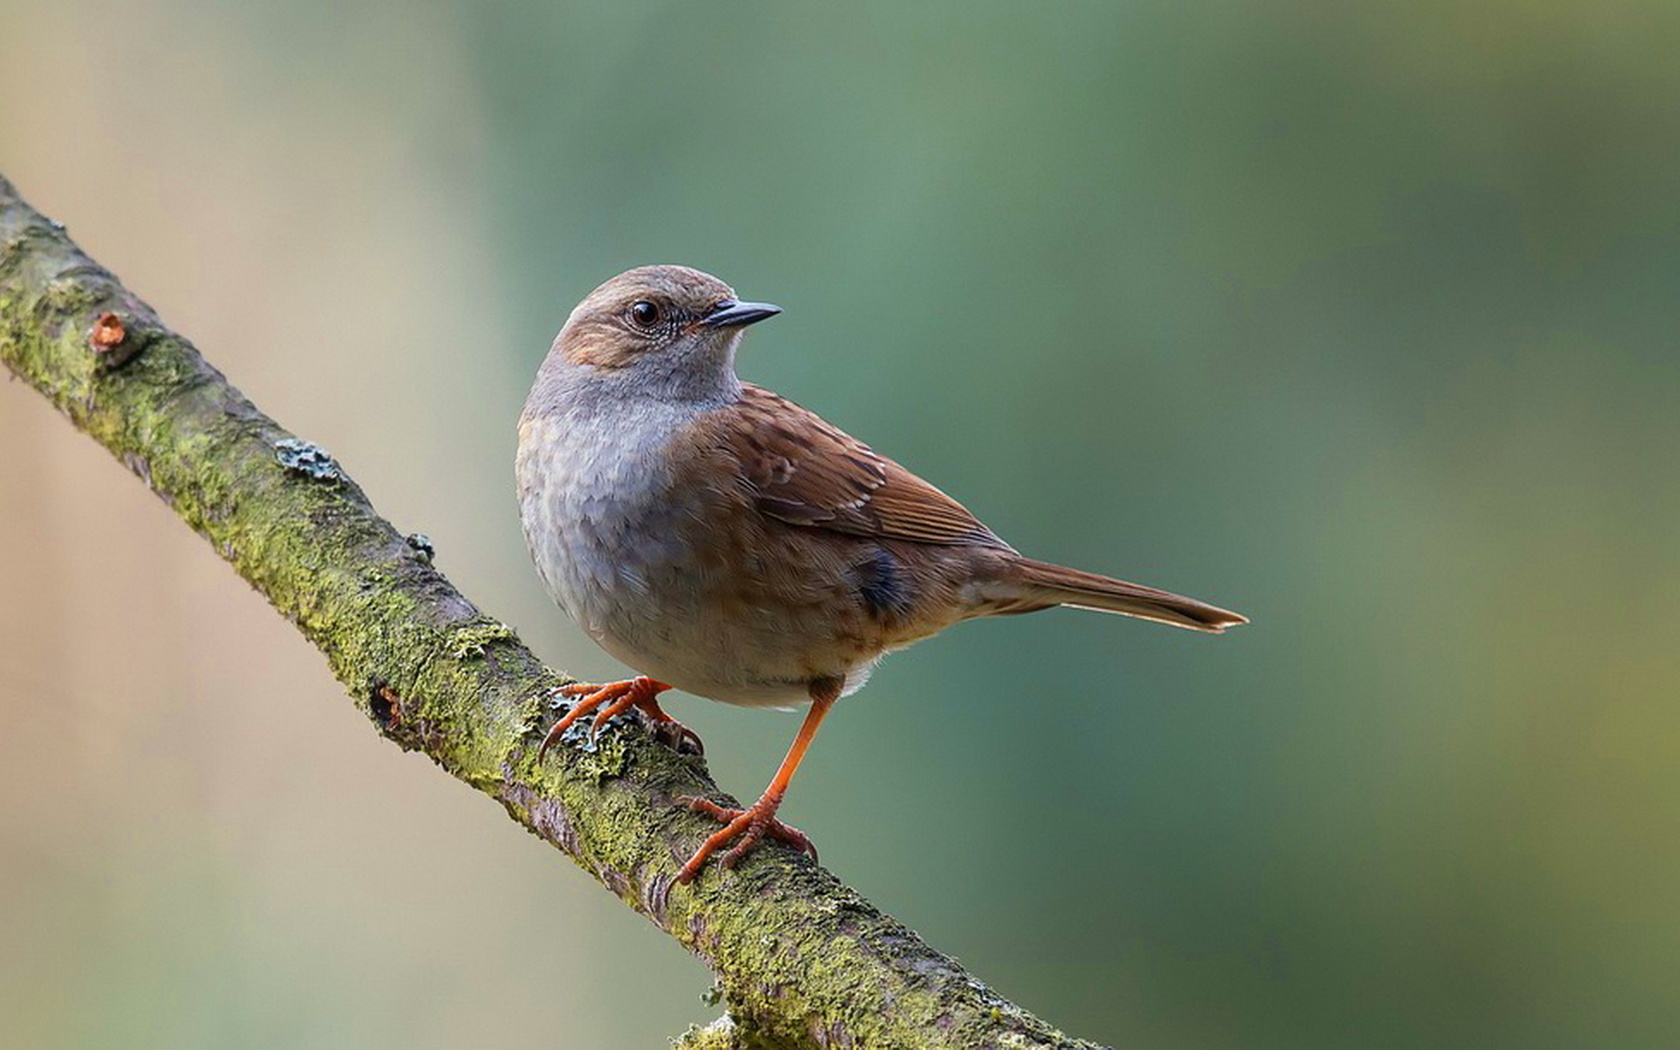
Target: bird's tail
1042, 585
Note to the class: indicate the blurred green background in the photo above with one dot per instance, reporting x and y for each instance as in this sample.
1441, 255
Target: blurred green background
1361, 319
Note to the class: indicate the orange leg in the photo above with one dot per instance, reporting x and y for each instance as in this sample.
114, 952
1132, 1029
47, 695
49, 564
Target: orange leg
614, 698
746, 827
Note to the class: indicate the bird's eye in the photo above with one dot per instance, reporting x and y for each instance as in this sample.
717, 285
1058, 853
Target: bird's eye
645, 313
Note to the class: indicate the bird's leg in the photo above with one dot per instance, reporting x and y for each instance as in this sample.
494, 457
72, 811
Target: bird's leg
746, 827
612, 699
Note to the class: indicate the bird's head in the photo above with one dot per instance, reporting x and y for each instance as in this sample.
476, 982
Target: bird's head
670, 329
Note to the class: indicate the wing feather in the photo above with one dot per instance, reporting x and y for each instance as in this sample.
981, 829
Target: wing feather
805, 471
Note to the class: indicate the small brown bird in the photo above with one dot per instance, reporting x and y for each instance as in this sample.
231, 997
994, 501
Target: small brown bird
722, 540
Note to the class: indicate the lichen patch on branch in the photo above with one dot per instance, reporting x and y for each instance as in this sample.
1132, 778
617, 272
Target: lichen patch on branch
307, 458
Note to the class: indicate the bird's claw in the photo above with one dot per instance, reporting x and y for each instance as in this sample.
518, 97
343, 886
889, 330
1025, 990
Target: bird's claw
743, 827
676, 736
611, 699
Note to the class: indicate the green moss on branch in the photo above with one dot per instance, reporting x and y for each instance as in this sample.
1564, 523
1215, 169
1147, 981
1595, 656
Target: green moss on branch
803, 961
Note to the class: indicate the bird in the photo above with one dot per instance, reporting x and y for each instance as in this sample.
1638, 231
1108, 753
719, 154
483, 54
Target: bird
720, 539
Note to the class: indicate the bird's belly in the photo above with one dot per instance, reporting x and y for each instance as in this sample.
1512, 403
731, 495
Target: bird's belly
708, 638
695, 611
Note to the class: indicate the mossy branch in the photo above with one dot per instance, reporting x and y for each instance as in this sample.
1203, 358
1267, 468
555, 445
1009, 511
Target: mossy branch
802, 960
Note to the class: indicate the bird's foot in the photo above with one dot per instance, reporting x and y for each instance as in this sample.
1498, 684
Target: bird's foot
676, 736
611, 699
745, 828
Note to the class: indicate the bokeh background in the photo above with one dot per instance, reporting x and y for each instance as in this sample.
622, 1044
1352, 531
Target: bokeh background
1362, 319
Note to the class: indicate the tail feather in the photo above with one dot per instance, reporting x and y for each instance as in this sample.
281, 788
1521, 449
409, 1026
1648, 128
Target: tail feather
1044, 585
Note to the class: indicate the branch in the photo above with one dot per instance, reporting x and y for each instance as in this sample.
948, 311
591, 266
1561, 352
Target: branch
802, 960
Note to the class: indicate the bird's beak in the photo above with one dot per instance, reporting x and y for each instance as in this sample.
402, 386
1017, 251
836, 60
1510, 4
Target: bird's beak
732, 313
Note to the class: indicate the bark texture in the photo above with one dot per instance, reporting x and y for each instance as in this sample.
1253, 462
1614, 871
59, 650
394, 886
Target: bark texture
802, 960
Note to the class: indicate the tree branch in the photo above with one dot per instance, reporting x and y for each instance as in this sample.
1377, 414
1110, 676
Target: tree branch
803, 961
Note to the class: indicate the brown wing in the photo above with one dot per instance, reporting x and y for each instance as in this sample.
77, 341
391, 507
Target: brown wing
808, 472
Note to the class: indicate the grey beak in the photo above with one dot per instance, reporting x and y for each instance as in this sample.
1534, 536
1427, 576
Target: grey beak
732, 313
